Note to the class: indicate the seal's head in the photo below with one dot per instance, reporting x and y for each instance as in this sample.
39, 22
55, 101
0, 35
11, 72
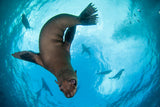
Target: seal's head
68, 83
68, 87
23, 15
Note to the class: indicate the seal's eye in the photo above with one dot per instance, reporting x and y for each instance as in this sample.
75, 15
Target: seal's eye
73, 81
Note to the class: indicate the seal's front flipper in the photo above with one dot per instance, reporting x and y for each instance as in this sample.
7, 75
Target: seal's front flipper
28, 56
69, 36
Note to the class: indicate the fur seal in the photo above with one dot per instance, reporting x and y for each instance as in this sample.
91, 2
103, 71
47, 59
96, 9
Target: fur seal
55, 49
25, 21
105, 72
117, 76
86, 49
45, 87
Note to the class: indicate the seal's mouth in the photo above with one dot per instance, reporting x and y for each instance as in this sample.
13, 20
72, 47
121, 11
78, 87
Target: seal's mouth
74, 84
69, 96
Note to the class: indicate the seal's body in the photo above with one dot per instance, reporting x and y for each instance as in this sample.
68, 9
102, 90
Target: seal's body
55, 51
57, 56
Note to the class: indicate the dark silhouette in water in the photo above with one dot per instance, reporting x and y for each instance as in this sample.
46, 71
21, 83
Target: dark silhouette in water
44, 86
2, 99
117, 76
86, 49
25, 21
104, 72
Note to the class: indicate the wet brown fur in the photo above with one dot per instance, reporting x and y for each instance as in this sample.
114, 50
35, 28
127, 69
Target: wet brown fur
55, 54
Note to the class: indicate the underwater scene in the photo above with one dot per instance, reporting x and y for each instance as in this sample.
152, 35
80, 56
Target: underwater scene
115, 53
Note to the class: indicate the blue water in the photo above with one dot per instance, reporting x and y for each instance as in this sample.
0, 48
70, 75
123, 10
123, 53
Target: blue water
125, 41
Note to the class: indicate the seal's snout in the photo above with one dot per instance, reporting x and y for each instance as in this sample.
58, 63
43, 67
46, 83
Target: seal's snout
69, 87
69, 95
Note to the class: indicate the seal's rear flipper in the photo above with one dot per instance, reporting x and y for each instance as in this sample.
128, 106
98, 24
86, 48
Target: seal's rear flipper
28, 56
88, 16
